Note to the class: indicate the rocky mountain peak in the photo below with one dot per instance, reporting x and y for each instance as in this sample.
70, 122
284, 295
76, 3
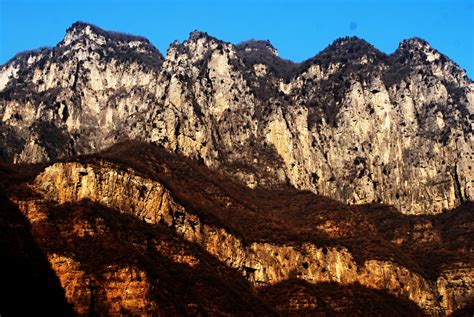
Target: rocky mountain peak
198, 49
258, 46
415, 43
348, 41
85, 37
348, 53
202, 41
417, 54
85, 40
81, 30
263, 57
79, 26
418, 51
352, 45
197, 34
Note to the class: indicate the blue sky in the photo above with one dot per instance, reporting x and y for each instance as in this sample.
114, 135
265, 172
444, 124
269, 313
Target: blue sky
298, 29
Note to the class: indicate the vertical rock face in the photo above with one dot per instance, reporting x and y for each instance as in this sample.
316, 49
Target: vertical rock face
65, 92
109, 263
262, 263
350, 123
385, 133
119, 290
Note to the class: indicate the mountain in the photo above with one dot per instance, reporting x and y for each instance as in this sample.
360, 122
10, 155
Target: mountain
222, 179
350, 123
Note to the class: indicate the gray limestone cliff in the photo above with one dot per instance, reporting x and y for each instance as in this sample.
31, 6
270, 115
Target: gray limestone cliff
351, 123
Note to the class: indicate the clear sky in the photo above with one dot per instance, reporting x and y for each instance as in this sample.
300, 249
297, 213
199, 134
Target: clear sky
298, 29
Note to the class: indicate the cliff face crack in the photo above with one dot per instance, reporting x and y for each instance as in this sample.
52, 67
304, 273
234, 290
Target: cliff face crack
76, 76
457, 184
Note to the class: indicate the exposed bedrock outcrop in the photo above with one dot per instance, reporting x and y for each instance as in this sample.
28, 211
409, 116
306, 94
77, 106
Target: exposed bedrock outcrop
262, 263
350, 123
